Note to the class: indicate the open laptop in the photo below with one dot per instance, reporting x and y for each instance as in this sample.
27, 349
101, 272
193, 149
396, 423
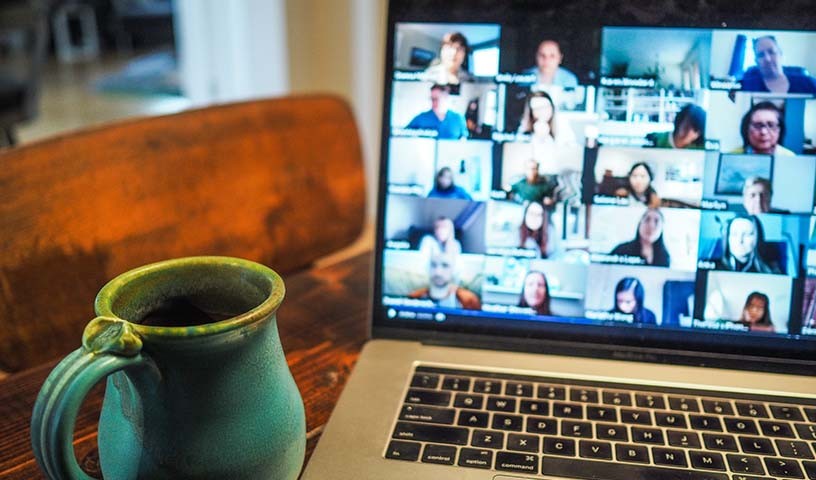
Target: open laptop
595, 251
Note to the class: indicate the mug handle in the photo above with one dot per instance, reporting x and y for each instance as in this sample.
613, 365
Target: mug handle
108, 345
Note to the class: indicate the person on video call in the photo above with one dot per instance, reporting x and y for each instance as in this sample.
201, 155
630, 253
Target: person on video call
533, 187
762, 128
629, 296
639, 186
689, 130
756, 196
445, 188
443, 239
451, 66
744, 242
536, 293
446, 122
442, 288
548, 69
648, 243
769, 74
533, 231
756, 314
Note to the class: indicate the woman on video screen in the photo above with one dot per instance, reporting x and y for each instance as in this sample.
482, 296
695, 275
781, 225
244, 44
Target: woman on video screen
445, 188
762, 129
536, 293
648, 243
639, 187
443, 239
689, 130
770, 75
533, 230
756, 314
744, 242
629, 295
451, 66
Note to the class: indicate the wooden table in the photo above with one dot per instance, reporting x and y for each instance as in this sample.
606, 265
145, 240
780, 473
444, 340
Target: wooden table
322, 322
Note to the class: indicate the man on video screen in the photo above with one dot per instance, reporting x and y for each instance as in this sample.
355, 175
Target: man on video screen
548, 67
447, 123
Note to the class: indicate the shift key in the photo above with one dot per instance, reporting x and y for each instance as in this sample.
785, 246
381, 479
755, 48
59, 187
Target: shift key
430, 433
428, 397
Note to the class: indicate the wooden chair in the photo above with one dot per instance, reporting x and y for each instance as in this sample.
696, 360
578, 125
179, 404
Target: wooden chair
276, 181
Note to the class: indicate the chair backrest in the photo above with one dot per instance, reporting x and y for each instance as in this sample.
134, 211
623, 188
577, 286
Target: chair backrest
276, 181
28, 21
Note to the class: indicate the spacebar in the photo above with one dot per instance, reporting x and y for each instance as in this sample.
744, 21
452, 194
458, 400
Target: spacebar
574, 468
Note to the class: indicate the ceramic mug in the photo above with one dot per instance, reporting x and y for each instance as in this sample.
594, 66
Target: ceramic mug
185, 397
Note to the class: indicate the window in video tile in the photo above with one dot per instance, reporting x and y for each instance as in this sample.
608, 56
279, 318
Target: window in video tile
639, 295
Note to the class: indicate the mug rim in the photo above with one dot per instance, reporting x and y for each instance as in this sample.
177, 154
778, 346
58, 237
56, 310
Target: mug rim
103, 305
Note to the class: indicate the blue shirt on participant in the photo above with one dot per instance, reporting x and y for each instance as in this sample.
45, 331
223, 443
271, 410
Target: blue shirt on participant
452, 126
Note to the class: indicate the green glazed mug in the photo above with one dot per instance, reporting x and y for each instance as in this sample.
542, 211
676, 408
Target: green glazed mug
197, 382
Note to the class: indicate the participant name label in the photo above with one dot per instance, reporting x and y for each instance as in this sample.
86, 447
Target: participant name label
724, 85
516, 78
607, 316
621, 259
414, 132
628, 82
706, 204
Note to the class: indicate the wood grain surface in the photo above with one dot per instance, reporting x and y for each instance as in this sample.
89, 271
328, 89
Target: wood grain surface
323, 325
276, 181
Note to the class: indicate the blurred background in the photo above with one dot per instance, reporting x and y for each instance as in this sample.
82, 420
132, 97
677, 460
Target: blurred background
71, 64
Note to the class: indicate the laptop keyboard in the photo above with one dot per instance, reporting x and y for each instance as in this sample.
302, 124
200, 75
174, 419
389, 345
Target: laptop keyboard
590, 430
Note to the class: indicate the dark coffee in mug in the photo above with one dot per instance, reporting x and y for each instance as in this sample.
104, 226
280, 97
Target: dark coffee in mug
182, 312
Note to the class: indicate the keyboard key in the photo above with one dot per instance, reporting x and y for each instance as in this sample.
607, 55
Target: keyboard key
487, 386
576, 429
568, 410
473, 418
552, 392
806, 431
522, 443
589, 469
418, 413
719, 407
507, 422
705, 422
501, 404
776, 429
787, 412
670, 419
754, 410
399, 450
669, 456
725, 443
559, 446
745, 464
488, 439
783, 468
636, 417
459, 384
585, 395
756, 445
650, 400
683, 438
475, 458
684, 404
623, 399
810, 413
517, 389
425, 380
611, 432
810, 469
793, 449
599, 450
430, 433
441, 454
428, 397
706, 460
741, 425
647, 435
631, 453
604, 414
542, 425
534, 407
517, 462
468, 400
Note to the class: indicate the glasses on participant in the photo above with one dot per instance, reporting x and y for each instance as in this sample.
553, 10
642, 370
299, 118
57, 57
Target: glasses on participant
759, 126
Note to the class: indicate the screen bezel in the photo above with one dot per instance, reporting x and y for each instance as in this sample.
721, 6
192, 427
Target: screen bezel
687, 346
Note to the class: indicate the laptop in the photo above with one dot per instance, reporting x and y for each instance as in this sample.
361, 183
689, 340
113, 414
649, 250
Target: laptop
595, 253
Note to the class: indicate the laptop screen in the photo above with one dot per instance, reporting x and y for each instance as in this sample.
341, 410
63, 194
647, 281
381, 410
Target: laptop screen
646, 175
